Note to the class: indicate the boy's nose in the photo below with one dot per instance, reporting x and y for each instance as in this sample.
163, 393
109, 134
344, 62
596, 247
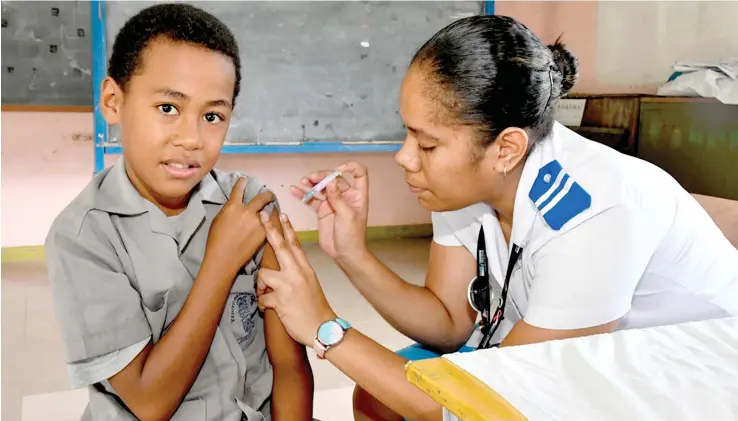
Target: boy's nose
188, 136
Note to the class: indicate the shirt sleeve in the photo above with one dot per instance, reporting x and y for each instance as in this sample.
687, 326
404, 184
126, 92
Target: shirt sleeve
443, 234
97, 369
587, 276
97, 308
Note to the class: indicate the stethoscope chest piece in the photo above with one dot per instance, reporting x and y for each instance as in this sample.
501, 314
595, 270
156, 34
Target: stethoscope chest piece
480, 295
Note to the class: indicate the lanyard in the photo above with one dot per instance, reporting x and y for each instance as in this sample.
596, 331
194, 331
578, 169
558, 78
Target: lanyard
480, 293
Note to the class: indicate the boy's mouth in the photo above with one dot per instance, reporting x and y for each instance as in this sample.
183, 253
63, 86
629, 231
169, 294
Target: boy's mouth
181, 168
178, 165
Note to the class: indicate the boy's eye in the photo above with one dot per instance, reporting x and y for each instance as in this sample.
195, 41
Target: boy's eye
168, 109
213, 118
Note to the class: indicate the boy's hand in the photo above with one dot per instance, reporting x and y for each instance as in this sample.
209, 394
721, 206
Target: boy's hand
236, 232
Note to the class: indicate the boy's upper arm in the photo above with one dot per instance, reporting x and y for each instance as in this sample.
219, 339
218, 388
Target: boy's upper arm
280, 346
97, 309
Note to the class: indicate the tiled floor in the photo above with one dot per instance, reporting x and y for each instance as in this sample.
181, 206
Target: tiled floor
34, 382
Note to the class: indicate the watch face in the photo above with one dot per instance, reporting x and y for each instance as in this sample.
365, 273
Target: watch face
330, 333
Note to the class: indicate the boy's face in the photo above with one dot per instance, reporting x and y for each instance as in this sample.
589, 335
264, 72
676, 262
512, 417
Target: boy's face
173, 118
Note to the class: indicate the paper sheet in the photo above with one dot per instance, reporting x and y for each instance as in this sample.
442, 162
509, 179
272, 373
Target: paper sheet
684, 372
708, 80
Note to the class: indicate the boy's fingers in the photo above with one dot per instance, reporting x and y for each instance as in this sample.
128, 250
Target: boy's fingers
276, 239
237, 190
260, 201
294, 243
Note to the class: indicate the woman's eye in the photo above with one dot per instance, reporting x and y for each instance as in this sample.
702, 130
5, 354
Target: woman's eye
168, 109
427, 149
213, 118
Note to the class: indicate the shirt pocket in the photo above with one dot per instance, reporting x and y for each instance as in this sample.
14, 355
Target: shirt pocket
164, 287
162, 279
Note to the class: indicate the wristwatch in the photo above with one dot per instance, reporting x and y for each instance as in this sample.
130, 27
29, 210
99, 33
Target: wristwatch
330, 334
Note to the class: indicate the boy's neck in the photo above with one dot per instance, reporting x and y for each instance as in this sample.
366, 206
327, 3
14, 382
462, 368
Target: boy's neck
169, 206
173, 209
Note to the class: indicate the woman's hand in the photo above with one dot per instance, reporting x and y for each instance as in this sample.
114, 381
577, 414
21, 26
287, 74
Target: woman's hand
294, 291
342, 212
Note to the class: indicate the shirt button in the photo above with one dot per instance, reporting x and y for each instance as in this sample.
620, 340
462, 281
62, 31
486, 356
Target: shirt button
547, 178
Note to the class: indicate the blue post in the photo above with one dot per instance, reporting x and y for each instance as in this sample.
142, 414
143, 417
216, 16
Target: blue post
99, 58
489, 7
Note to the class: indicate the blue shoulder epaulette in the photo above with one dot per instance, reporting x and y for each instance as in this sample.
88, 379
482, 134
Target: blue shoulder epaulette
557, 196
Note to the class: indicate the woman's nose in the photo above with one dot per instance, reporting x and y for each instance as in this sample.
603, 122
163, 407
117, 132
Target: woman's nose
407, 156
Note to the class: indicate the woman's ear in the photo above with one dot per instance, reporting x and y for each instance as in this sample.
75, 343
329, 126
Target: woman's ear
512, 145
111, 99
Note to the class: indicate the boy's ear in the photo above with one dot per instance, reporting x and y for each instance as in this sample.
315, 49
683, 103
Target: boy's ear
111, 99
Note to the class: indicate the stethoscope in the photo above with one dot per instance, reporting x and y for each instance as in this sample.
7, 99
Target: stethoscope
479, 293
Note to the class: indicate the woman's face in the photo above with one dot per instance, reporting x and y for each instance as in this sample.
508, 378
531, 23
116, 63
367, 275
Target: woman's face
444, 167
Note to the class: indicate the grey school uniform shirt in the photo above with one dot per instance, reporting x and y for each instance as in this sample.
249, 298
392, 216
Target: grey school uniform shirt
120, 271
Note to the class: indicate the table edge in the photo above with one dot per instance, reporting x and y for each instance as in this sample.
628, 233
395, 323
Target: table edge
460, 392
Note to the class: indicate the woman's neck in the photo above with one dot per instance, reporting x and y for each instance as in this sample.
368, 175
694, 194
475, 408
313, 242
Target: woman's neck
503, 202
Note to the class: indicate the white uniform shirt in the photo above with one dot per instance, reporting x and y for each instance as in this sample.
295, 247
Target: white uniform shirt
605, 236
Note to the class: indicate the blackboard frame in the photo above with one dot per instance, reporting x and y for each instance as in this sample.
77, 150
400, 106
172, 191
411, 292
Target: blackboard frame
102, 147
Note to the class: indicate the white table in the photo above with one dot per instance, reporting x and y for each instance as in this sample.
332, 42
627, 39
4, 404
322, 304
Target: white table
686, 372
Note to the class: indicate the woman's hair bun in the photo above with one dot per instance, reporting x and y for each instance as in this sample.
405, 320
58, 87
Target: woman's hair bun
567, 66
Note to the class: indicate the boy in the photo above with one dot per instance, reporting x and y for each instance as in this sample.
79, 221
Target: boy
152, 266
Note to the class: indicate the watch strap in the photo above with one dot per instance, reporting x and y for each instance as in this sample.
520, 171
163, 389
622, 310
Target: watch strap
344, 324
320, 347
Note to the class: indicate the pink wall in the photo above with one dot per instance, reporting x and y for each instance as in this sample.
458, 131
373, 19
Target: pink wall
577, 23
43, 169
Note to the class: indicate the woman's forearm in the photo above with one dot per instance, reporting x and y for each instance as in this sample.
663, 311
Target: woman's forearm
414, 311
381, 373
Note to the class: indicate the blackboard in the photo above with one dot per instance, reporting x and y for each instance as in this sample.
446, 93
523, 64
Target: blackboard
46, 53
319, 71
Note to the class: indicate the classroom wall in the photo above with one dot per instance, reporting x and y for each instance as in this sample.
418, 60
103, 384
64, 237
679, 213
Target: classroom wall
622, 47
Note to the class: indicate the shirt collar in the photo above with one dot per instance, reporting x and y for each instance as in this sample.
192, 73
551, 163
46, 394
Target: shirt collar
117, 195
525, 210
